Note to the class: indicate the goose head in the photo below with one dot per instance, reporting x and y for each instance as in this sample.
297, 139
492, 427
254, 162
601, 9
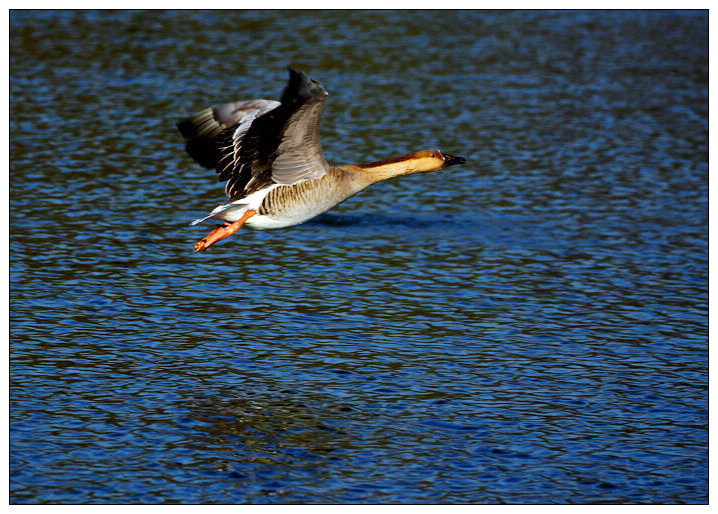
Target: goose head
430, 160
417, 162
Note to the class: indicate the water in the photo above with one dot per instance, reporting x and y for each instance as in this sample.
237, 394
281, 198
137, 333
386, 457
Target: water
530, 327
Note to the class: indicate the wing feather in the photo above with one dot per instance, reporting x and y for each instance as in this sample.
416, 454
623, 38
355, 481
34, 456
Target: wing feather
202, 130
282, 146
258, 143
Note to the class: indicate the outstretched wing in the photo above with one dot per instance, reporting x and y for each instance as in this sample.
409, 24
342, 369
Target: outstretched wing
202, 130
279, 146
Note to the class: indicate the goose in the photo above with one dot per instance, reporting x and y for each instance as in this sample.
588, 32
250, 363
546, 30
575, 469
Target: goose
271, 159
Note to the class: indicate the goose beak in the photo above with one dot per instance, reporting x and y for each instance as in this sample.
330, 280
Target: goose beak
450, 160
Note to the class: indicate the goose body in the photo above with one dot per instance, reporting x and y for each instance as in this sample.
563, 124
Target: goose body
270, 156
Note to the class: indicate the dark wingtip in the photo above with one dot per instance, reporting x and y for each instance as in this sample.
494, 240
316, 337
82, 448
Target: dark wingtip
301, 87
201, 148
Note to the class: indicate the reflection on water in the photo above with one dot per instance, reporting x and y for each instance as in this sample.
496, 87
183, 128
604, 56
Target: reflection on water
530, 327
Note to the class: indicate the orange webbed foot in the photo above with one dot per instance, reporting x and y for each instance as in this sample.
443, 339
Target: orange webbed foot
224, 231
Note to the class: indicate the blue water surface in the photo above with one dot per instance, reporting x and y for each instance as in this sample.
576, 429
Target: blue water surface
530, 327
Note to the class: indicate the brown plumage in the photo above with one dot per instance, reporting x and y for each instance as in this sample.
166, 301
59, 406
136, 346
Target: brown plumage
270, 157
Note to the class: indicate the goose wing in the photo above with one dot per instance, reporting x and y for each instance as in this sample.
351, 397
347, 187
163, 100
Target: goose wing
278, 146
202, 130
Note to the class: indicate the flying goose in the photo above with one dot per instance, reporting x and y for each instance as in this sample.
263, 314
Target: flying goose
269, 154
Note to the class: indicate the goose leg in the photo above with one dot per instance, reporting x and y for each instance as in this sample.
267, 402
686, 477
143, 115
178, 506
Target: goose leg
224, 231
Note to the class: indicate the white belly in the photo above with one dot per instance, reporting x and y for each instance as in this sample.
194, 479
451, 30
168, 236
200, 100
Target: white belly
288, 217
261, 222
